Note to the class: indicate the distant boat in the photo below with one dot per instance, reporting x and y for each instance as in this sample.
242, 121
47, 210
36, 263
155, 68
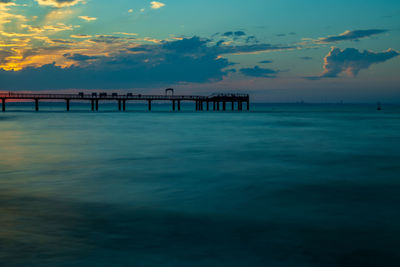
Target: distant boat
379, 106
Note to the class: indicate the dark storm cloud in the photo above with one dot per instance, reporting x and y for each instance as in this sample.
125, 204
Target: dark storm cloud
112, 75
239, 33
251, 39
351, 35
220, 42
236, 34
259, 72
79, 57
352, 61
185, 45
252, 48
138, 49
228, 34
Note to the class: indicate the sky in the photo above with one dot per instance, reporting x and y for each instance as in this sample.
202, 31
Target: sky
275, 50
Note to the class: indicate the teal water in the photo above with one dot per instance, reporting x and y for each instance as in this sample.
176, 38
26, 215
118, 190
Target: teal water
282, 185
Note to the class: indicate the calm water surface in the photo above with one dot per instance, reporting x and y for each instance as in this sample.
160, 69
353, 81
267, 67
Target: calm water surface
282, 185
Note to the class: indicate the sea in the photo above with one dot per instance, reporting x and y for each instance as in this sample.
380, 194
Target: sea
280, 185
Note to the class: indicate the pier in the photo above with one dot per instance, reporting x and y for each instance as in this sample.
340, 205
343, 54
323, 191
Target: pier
214, 102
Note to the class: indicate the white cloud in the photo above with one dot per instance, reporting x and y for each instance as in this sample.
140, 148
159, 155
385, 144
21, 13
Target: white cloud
87, 18
156, 5
58, 3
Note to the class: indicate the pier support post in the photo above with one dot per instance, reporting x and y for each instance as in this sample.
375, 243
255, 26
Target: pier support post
200, 105
92, 104
67, 104
149, 105
214, 105
217, 105
208, 105
124, 105
173, 105
37, 104
224, 106
240, 105
97, 105
179, 105
248, 105
119, 105
233, 105
3, 104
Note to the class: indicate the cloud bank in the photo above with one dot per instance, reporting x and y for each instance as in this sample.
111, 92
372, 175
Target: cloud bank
190, 60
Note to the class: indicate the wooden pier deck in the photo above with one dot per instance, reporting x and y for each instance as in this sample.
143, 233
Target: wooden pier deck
215, 102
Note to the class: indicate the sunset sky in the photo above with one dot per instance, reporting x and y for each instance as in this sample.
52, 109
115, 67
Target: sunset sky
276, 50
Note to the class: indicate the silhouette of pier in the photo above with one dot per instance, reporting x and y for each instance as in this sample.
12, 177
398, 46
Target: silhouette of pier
214, 102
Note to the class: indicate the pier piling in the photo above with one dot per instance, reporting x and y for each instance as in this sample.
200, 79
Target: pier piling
3, 104
36, 104
67, 100
149, 105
